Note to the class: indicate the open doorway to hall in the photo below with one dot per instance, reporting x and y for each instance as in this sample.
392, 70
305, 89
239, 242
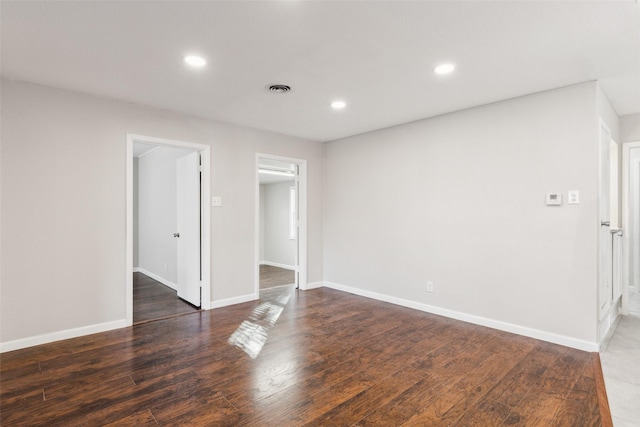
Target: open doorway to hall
278, 224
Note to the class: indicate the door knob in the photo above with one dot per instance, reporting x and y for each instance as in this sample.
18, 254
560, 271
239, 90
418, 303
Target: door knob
176, 234
605, 223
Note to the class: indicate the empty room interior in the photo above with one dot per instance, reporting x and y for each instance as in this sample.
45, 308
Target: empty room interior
288, 213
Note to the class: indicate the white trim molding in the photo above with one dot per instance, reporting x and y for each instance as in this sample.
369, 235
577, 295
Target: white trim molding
626, 223
275, 264
232, 301
470, 318
156, 277
313, 285
61, 335
205, 206
606, 325
302, 219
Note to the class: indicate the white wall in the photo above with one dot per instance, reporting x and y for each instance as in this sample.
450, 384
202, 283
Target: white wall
157, 218
63, 205
459, 200
136, 261
630, 128
278, 248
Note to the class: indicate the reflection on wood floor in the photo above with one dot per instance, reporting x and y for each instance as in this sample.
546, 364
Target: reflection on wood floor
152, 300
328, 358
275, 276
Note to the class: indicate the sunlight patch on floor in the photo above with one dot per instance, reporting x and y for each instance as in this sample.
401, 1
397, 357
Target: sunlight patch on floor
252, 334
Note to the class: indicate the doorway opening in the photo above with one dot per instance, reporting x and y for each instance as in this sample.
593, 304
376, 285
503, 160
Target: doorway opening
609, 238
631, 226
280, 223
167, 231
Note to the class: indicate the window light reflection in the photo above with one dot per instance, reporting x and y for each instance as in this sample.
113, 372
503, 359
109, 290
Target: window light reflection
252, 334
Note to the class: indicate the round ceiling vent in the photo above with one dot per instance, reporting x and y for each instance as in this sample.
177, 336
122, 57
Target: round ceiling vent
279, 88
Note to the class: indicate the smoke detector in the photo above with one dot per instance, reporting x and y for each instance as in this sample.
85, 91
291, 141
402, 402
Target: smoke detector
280, 88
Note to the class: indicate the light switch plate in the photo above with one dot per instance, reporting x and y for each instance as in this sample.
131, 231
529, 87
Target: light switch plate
573, 197
216, 201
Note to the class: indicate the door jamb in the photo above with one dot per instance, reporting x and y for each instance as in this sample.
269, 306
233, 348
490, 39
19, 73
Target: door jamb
626, 261
302, 217
205, 233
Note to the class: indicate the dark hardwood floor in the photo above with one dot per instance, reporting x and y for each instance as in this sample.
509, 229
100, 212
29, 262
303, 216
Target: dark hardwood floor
152, 300
275, 276
330, 359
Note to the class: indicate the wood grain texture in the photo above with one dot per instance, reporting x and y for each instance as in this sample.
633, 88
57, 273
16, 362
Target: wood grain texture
330, 359
152, 300
271, 276
603, 402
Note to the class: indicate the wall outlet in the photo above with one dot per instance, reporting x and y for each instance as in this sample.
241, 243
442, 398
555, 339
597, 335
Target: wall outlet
429, 286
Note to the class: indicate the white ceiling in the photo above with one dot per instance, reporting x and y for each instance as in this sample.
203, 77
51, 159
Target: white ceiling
377, 56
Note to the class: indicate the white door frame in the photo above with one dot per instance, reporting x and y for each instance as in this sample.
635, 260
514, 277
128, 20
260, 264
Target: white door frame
205, 233
302, 217
604, 171
626, 261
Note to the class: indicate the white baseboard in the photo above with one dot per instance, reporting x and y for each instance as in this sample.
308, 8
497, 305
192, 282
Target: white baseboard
312, 285
156, 277
470, 318
275, 264
136, 269
61, 335
235, 300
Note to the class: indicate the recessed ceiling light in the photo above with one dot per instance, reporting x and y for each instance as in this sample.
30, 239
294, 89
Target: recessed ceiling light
195, 61
444, 68
338, 105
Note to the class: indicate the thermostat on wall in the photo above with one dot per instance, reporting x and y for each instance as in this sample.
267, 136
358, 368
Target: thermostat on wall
554, 199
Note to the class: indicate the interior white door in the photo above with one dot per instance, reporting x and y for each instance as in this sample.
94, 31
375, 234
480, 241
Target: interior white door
634, 219
188, 228
605, 272
297, 224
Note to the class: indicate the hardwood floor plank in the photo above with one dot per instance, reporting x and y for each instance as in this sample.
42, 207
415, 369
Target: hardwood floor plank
329, 358
144, 418
546, 397
400, 409
364, 403
205, 406
603, 402
580, 408
153, 300
486, 413
316, 404
519, 380
271, 276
